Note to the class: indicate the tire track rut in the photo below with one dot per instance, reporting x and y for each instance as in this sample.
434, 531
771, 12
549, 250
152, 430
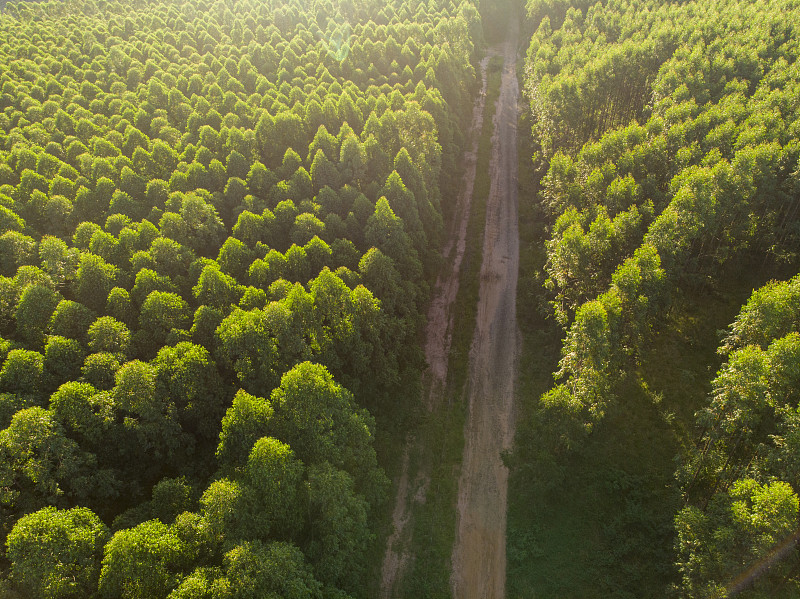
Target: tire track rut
479, 553
438, 338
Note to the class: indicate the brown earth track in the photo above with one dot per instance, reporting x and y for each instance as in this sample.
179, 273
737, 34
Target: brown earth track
479, 553
438, 338
439, 329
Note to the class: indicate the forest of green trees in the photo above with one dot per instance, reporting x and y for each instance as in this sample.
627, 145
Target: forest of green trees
665, 136
218, 226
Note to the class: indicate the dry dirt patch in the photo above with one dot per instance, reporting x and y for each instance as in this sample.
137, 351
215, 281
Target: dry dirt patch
438, 338
479, 553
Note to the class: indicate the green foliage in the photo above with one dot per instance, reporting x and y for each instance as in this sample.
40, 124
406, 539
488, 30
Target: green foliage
671, 182
215, 288
245, 422
339, 532
63, 359
162, 313
171, 497
739, 528
22, 371
384, 230
34, 310
275, 475
119, 307
147, 281
93, 280
249, 345
138, 562
257, 570
319, 420
197, 225
660, 181
771, 312
234, 259
55, 554
39, 463
85, 413
323, 172
58, 260
306, 227
200, 584
152, 168
228, 510
71, 319
106, 334
16, 250
188, 375
150, 420
204, 324
100, 369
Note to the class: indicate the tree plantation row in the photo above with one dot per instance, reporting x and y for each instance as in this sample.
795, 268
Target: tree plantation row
218, 227
667, 141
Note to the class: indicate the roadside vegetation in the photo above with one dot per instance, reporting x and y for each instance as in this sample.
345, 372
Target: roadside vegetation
664, 185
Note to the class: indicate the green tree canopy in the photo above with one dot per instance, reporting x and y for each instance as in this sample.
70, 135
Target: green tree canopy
141, 562
55, 554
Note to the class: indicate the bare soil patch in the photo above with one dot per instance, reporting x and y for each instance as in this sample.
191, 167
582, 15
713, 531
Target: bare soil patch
438, 335
439, 329
479, 553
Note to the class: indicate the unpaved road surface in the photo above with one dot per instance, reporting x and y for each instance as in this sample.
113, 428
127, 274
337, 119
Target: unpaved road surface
479, 553
439, 328
438, 337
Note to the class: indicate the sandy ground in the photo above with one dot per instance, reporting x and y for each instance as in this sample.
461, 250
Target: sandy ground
438, 337
479, 553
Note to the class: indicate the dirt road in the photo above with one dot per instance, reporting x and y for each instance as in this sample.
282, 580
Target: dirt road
439, 328
438, 337
479, 553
